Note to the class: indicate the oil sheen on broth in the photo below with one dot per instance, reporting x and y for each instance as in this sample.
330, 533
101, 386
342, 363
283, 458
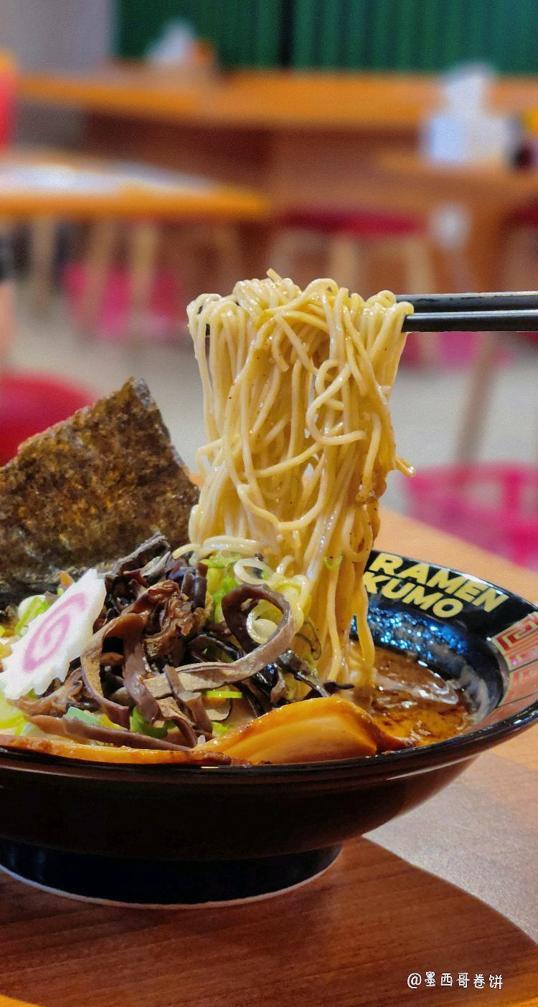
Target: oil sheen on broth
412, 701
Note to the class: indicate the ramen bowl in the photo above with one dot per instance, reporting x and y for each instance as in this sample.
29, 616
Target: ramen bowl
183, 835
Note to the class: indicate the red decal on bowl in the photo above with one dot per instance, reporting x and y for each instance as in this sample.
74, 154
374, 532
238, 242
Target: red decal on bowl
52, 631
519, 643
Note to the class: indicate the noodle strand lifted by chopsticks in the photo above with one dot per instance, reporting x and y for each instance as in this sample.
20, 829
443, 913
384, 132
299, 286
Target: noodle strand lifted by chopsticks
300, 441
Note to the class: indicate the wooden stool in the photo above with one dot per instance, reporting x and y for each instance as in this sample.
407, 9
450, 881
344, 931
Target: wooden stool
142, 240
347, 238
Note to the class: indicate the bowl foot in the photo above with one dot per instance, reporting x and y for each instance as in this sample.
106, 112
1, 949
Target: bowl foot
160, 884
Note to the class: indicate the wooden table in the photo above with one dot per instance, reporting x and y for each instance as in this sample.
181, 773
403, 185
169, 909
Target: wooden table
38, 182
450, 887
263, 99
302, 138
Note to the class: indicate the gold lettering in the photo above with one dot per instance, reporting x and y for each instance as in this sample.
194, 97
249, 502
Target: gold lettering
371, 582
417, 596
469, 590
386, 562
447, 607
419, 572
445, 581
490, 599
396, 588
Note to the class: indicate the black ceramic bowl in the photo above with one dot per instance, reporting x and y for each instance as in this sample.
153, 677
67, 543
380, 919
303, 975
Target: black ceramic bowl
189, 836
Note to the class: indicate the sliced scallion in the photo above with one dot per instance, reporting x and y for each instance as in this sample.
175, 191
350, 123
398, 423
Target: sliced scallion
219, 729
223, 694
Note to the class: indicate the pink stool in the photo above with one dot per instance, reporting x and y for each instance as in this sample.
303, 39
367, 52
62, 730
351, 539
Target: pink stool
525, 216
165, 306
347, 238
493, 505
29, 403
364, 223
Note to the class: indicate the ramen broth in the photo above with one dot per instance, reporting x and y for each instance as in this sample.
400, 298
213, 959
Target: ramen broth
411, 701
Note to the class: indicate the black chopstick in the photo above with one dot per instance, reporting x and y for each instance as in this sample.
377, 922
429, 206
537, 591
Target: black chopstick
472, 321
496, 301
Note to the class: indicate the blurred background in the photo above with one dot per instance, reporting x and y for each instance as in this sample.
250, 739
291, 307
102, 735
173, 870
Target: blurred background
151, 151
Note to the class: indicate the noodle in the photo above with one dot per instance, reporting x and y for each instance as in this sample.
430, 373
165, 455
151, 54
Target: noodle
296, 386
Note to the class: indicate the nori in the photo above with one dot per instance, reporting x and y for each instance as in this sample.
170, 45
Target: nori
88, 490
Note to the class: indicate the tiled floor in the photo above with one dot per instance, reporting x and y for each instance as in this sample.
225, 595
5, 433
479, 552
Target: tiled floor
426, 404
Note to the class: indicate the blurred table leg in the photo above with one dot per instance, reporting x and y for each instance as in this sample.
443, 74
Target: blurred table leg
141, 257
43, 231
477, 398
98, 264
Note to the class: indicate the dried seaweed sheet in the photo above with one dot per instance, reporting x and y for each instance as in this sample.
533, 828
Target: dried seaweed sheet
89, 490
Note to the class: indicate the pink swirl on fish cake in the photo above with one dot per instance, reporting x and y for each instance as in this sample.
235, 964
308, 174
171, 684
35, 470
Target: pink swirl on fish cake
52, 631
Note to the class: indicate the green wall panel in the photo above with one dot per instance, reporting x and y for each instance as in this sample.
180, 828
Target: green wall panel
414, 35
244, 32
